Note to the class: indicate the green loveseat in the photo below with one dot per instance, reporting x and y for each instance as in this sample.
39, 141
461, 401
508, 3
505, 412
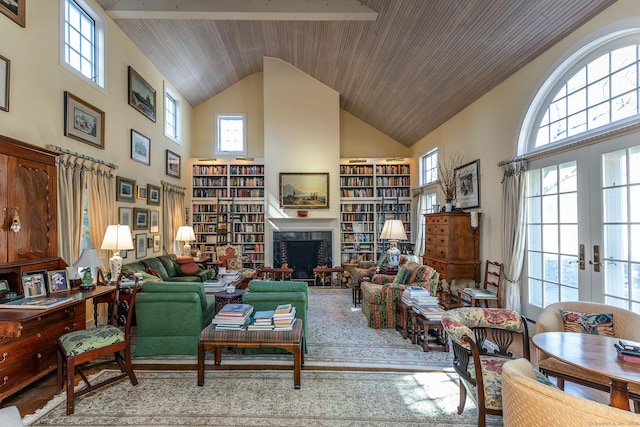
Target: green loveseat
268, 294
167, 268
170, 317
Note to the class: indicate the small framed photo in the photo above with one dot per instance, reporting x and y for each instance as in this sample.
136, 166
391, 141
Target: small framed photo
141, 245
125, 189
468, 185
173, 164
4, 286
154, 221
124, 216
142, 192
156, 243
153, 194
142, 96
140, 219
15, 10
34, 283
140, 148
58, 281
83, 122
5, 67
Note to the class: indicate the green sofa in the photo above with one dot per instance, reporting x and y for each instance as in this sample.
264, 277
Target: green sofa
170, 317
268, 294
167, 268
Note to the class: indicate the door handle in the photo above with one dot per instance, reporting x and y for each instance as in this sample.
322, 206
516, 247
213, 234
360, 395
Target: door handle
580, 261
596, 259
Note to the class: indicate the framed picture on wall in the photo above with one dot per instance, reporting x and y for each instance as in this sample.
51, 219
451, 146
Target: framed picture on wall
142, 96
140, 219
304, 190
156, 243
141, 245
82, 121
153, 194
124, 216
15, 10
154, 221
125, 189
468, 185
142, 192
173, 164
140, 148
5, 68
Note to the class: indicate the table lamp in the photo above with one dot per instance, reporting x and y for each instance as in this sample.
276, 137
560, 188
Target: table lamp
186, 235
393, 230
88, 259
117, 238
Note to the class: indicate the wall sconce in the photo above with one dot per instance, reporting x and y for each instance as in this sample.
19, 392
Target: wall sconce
16, 225
357, 160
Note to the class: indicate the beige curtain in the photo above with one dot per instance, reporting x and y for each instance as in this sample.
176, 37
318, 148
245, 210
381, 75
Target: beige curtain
514, 214
173, 215
419, 225
102, 205
71, 184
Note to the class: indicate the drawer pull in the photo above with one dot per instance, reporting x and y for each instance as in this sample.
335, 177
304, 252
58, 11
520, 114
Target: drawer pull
4, 356
69, 311
39, 355
70, 328
5, 380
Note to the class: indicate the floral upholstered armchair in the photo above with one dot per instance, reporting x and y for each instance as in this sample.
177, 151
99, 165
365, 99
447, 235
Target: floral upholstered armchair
379, 295
230, 257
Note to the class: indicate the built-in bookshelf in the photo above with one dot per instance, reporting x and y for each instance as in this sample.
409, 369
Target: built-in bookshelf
371, 191
228, 208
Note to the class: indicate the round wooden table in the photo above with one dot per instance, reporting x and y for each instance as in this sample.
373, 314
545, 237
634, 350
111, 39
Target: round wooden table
596, 354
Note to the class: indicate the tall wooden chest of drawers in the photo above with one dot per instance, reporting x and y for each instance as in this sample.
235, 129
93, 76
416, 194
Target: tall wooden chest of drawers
451, 246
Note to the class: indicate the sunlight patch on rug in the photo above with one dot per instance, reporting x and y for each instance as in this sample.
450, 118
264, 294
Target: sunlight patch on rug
267, 398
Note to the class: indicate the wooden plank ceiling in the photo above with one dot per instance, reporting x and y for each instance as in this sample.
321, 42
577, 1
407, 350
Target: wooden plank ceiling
416, 66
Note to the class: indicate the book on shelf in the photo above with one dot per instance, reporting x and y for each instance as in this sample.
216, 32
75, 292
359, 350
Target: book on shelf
36, 302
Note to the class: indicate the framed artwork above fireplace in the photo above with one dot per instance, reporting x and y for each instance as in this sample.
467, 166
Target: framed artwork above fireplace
306, 190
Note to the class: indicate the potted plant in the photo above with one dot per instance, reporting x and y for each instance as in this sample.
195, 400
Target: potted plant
447, 178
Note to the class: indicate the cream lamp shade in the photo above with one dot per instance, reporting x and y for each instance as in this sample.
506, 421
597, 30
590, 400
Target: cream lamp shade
88, 259
185, 234
393, 230
117, 238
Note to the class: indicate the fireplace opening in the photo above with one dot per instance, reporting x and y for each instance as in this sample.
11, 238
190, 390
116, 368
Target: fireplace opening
302, 251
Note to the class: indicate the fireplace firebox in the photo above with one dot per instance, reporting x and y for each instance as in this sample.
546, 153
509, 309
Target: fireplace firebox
302, 251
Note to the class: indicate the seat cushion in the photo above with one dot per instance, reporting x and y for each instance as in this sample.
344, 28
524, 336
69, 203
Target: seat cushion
84, 340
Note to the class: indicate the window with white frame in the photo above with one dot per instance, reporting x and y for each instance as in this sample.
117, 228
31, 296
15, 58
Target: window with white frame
82, 43
171, 115
429, 167
231, 134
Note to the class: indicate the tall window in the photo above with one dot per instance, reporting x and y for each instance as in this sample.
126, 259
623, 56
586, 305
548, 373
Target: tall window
426, 196
171, 115
231, 134
82, 50
429, 167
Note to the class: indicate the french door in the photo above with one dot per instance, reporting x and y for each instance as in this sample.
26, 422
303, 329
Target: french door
583, 227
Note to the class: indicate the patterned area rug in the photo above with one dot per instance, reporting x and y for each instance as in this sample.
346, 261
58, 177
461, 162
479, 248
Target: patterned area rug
267, 398
338, 336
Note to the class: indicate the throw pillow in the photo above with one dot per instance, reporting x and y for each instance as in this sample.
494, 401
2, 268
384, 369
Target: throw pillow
189, 269
151, 271
588, 323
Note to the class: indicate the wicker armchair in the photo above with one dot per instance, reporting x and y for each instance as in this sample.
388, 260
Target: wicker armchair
379, 295
526, 401
481, 340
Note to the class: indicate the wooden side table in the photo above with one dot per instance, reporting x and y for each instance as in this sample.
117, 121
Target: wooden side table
270, 273
388, 270
403, 313
325, 274
429, 333
223, 298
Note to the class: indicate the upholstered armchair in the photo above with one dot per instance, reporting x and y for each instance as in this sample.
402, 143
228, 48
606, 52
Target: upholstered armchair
380, 293
526, 401
481, 340
366, 269
230, 257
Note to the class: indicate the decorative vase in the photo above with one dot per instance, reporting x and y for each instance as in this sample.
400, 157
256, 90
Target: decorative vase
448, 207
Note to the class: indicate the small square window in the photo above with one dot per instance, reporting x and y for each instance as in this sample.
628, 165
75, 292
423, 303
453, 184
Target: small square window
231, 134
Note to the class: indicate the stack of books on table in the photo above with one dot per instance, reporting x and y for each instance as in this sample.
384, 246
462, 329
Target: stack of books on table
262, 320
628, 351
214, 285
415, 295
232, 317
283, 317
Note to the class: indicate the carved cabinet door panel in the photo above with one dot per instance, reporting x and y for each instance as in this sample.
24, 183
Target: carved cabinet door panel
31, 192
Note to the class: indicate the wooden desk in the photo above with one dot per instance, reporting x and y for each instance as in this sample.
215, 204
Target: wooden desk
270, 273
29, 337
593, 353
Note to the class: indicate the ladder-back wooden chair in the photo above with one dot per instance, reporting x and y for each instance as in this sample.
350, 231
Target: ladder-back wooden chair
493, 278
77, 349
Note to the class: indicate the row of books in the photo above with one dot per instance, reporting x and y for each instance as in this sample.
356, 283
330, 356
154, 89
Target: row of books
237, 317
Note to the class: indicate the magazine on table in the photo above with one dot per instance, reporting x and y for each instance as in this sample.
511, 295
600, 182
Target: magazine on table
36, 302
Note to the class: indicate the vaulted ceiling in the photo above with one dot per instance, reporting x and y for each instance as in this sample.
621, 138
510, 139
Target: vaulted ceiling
417, 65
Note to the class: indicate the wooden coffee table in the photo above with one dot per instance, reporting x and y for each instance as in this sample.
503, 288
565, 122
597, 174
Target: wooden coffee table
291, 341
593, 353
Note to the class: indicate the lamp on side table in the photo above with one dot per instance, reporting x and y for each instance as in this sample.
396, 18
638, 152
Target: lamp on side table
117, 238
